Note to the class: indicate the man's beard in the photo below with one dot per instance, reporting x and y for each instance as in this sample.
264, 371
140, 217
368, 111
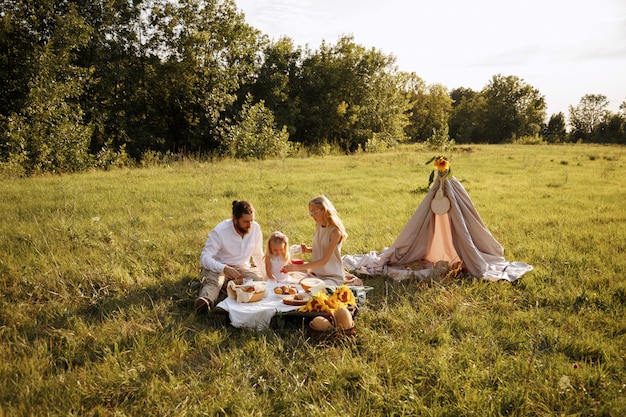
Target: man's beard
240, 229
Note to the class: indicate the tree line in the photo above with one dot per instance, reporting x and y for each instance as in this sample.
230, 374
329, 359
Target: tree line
97, 83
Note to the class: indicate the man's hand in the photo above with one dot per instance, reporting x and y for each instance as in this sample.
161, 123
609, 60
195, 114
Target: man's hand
231, 273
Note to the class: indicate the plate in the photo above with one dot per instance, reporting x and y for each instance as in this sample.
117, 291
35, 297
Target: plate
299, 299
284, 295
308, 283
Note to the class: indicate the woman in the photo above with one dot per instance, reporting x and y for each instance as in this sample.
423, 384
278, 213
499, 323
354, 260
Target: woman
330, 233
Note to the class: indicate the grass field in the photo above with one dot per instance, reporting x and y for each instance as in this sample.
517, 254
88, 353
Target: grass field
96, 307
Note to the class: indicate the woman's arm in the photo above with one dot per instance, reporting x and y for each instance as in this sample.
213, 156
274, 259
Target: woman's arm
335, 238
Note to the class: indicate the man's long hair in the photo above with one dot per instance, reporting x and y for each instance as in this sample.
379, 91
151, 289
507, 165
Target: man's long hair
242, 207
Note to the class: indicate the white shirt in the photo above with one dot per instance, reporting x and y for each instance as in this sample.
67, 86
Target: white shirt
225, 246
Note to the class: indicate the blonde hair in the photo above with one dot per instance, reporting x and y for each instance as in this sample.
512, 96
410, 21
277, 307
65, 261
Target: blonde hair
330, 213
278, 237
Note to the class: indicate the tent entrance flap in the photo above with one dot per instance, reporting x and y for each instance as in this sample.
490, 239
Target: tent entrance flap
441, 247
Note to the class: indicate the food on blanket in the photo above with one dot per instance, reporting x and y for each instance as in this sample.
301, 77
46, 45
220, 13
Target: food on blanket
248, 293
343, 318
321, 324
285, 290
296, 299
308, 283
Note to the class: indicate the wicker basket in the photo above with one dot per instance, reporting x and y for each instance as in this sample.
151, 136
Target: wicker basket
257, 296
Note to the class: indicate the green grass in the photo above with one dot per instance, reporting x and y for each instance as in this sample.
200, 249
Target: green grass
96, 309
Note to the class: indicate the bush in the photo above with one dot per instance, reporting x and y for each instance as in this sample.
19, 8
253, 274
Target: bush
107, 157
529, 140
254, 135
440, 140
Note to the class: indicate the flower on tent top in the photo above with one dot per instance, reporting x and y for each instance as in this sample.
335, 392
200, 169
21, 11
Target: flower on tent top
441, 163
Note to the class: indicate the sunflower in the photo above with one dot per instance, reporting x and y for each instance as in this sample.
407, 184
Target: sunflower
341, 297
441, 164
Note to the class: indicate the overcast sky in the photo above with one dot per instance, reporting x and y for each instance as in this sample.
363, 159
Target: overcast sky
563, 48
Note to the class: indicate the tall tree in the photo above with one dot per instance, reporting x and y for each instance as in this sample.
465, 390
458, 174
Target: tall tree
118, 101
168, 73
585, 118
344, 89
430, 109
276, 82
611, 130
512, 109
556, 129
43, 127
465, 119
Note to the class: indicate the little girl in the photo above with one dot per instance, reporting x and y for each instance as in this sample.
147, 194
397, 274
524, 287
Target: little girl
277, 256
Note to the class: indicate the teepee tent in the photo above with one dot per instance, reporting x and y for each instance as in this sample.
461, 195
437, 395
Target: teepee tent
445, 231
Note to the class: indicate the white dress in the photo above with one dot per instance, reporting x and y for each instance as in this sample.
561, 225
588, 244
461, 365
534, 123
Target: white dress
277, 263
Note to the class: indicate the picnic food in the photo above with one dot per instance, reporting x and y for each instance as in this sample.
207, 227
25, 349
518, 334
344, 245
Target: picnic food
296, 299
285, 290
248, 293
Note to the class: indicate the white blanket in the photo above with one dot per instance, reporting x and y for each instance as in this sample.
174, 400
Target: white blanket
257, 315
370, 264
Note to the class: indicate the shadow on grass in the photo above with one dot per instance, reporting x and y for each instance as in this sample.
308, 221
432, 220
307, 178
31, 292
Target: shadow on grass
168, 306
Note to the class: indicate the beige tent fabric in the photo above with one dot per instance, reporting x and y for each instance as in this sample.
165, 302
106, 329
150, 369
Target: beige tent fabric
441, 247
429, 238
470, 237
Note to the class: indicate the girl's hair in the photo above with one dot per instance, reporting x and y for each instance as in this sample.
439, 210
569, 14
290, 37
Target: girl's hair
278, 237
330, 213
242, 207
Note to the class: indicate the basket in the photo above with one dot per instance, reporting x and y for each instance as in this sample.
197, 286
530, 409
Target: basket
257, 296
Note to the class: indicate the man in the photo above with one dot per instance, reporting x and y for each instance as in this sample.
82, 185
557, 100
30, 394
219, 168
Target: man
227, 252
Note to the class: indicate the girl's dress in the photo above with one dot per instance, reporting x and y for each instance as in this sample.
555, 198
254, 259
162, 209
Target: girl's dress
333, 270
277, 263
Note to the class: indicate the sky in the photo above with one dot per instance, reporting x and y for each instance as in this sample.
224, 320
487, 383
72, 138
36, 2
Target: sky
563, 48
